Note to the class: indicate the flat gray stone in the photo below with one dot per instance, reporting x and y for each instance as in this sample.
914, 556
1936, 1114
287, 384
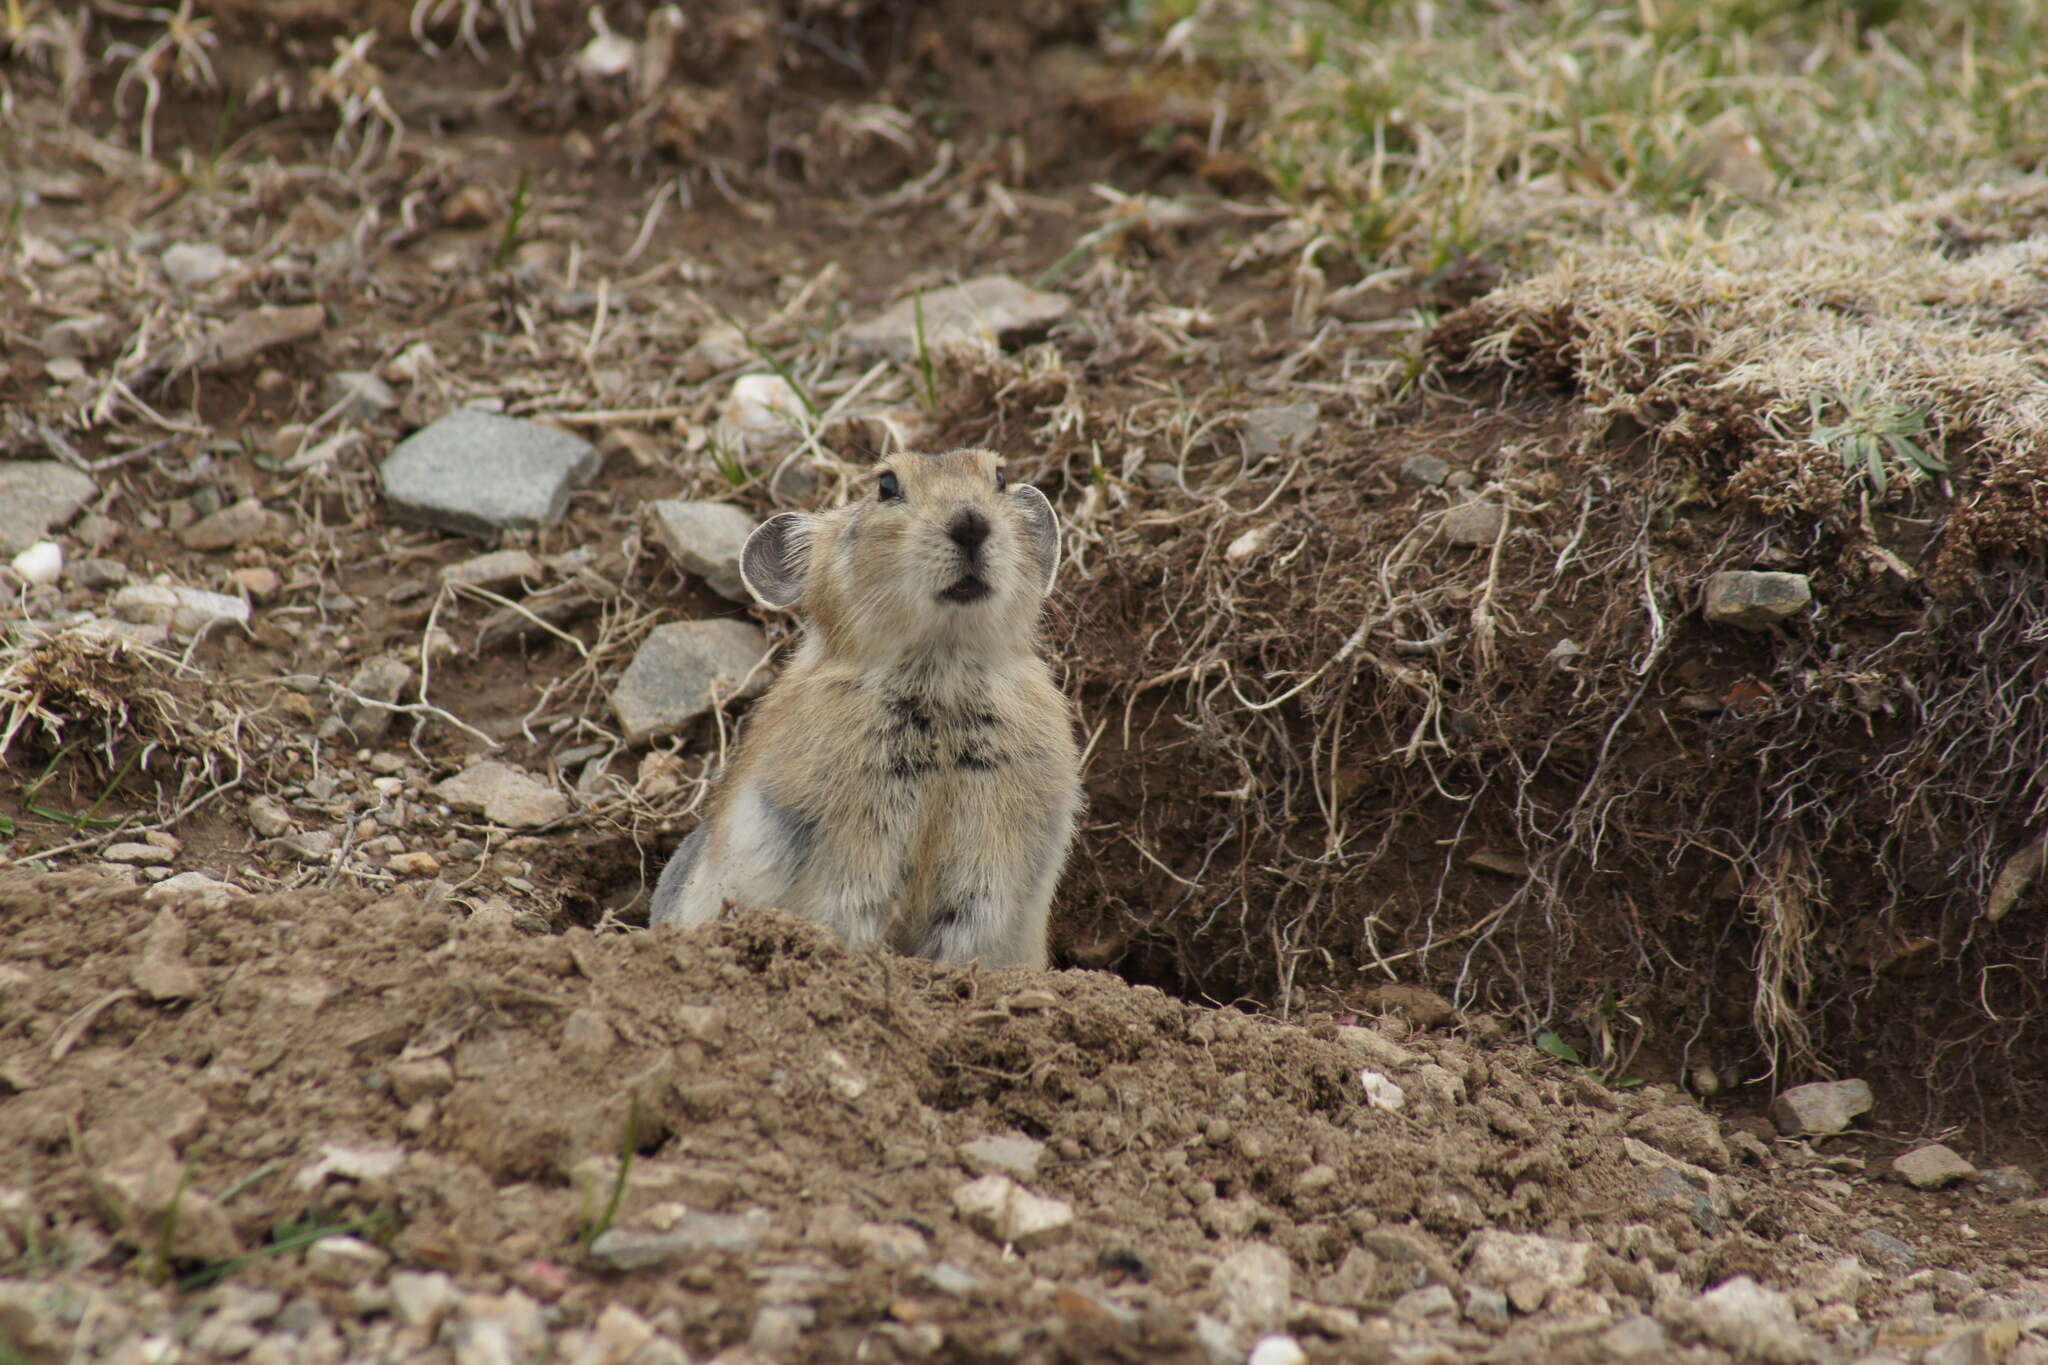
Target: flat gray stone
1885, 1249
1752, 600
477, 473
359, 394
1932, 1167
993, 308
36, 495
1750, 1320
184, 611
498, 569
1821, 1108
706, 539
1280, 430
505, 795
1010, 1154
1526, 1266
695, 1233
679, 672
1474, 524
1425, 469
2008, 1183
1004, 1211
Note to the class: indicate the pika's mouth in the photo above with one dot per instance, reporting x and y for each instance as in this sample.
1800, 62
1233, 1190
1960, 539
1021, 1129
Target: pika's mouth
968, 588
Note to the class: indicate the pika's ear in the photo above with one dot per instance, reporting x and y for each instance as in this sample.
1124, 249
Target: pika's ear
1044, 527
776, 558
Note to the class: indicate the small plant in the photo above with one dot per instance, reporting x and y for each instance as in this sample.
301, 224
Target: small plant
726, 460
1871, 427
781, 371
167, 1235
629, 1146
515, 217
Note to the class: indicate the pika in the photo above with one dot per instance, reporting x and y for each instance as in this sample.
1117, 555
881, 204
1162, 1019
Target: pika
912, 777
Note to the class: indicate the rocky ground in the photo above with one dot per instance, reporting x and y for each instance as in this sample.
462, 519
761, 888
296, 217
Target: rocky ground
375, 453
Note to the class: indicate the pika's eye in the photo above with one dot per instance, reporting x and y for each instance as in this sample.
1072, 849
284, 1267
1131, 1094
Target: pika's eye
1002, 481
887, 489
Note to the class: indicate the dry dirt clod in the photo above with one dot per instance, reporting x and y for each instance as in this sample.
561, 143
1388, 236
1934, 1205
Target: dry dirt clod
1281, 430
1474, 525
1010, 1154
1747, 1318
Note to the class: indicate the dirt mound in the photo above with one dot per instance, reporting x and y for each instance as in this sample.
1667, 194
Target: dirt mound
459, 1092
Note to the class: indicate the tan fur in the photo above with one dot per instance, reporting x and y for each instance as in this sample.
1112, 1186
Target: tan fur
912, 778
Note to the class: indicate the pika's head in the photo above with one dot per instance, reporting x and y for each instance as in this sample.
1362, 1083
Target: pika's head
940, 545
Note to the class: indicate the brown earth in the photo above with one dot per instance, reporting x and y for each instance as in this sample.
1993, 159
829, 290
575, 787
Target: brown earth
1288, 859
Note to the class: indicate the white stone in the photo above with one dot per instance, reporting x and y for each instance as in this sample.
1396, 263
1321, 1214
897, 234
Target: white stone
194, 265
1528, 1267
760, 412
1004, 1211
42, 562
1277, 1350
420, 1299
1380, 1092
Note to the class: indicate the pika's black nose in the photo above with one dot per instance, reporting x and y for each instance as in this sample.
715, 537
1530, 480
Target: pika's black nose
969, 530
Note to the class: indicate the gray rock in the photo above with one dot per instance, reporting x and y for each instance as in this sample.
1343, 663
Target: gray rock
382, 679
1474, 524
269, 818
422, 1299
478, 474
779, 1329
948, 1278
1526, 1266
1486, 1307
1280, 430
706, 539
1685, 1131
185, 611
694, 1234
1669, 1187
1419, 1305
1885, 1249
36, 495
194, 265
1932, 1167
314, 846
95, 575
1003, 1211
344, 1260
195, 888
1822, 1107
1637, 1338
81, 337
505, 795
681, 669
993, 308
1425, 469
1756, 601
359, 394
237, 524
1010, 1154
2007, 1183
498, 569
1750, 1320
136, 853
1253, 1285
